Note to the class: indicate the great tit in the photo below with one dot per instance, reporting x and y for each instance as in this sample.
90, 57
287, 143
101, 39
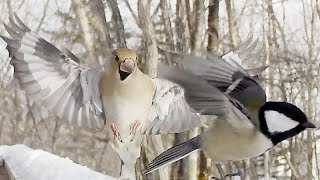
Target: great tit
246, 125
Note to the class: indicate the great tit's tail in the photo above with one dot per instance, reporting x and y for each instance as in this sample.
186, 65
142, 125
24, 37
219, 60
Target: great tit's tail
174, 154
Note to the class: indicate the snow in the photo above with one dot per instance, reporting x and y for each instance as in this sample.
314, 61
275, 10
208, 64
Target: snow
24, 163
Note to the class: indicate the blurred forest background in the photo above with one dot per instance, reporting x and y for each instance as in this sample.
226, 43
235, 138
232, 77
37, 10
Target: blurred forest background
288, 31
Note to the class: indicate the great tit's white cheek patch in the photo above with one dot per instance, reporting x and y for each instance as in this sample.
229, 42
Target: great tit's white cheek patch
278, 122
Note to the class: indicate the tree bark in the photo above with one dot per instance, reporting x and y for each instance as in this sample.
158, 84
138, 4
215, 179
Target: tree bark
166, 19
182, 28
101, 27
87, 29
232, 25
318, 7
213, 44
149, 38
118, 26
213, 26
198, 26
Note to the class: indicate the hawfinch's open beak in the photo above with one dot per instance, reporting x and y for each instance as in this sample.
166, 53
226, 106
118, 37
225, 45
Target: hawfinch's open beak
127, 66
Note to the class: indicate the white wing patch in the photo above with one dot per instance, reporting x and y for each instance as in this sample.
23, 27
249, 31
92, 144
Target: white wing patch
278, 122
170, 112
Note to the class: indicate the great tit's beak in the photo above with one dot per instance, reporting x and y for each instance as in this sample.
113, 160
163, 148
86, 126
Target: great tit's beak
308, 125
127, 65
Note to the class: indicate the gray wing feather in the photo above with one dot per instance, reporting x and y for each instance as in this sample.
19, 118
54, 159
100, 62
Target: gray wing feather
253, 72
205, 98
245, 51
214, 70
199, 94
245, 54
170, 112
55, 79
228, 76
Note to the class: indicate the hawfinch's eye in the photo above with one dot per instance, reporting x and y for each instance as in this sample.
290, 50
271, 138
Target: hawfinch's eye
116, 58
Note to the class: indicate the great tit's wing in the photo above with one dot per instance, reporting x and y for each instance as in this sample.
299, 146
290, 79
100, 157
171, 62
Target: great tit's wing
199, 94
206, 99
54, 79
246, 54
229, 77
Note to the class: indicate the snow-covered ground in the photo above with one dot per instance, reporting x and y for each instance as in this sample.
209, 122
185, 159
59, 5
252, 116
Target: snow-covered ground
24, 163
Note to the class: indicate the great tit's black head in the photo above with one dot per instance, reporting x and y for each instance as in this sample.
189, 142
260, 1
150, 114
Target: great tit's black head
125, 62
280, 121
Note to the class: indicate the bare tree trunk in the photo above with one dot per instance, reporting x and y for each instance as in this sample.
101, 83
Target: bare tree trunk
272, 23
203, 166
117, 23
182, 32
166, 21
311, 104
213, 47
99, 22
318, 7
213, 26
182, 27
180, 169
197, 32
232, 25
168, 29
87, 29
148, 32
189, 18
268, 43
150, 45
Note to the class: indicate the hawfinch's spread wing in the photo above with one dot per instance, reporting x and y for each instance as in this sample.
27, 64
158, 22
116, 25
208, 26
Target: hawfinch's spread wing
170, 112
53, 78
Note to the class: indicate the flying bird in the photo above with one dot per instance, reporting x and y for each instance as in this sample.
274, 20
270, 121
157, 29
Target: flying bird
246, 125
118, 96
